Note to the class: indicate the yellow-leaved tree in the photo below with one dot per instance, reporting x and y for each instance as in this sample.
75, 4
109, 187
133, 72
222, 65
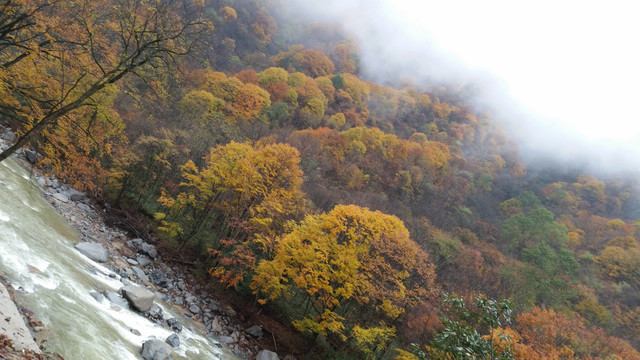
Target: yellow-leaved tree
350, 273
235, 204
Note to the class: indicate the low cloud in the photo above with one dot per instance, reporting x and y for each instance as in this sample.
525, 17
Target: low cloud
562, 76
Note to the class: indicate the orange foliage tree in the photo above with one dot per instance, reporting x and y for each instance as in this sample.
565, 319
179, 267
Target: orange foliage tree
311, 62
546, 334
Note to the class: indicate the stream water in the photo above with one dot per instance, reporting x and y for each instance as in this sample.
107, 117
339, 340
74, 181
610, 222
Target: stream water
54, 281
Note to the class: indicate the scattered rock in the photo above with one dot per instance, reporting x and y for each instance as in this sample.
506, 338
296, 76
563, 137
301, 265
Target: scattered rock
155, 312
84, 207
215, 326
174, 284
229, 312
116, 299
226, 339
149, 249
145, 247
255, 331
173, 340
75, 195
267, 355
174, 325
181, 285
156, 350
124, 280
132, 262
158, 278
98, 296
140, 273
143, 260
31, 156
93, 251
135, 243
139, 298
61, 197
9, 136
34, 270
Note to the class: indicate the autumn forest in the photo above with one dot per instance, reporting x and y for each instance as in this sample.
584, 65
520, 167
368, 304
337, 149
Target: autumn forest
378, 222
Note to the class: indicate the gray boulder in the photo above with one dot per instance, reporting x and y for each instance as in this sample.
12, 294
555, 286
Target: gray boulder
61, 197
84, 207
158, 278
155, 349
98, 296
143, 260
9, 136
139, 298
75, 195
135, 243
31, 156
173, 340
195, 309
226, 339
255, 331
174, 324
93, 251
156, 312
42, 181
140, 273
148, 249
267, 355
216, 326
116, 299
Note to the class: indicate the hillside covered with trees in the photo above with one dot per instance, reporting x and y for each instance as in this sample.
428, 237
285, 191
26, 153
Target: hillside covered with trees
377, 221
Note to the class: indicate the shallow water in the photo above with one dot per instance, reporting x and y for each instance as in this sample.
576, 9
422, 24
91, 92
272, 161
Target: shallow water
54, 281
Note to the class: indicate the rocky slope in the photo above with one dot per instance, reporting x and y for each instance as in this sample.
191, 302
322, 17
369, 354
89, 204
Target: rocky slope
140, 268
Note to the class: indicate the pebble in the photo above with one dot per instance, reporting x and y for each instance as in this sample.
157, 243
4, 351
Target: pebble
173, 340
143, 260
174, 325
226, 339
61, 197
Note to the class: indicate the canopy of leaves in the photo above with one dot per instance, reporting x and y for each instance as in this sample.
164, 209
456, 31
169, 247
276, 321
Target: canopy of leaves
348, 257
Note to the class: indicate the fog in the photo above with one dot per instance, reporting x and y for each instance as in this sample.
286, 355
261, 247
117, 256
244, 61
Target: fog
562, 76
